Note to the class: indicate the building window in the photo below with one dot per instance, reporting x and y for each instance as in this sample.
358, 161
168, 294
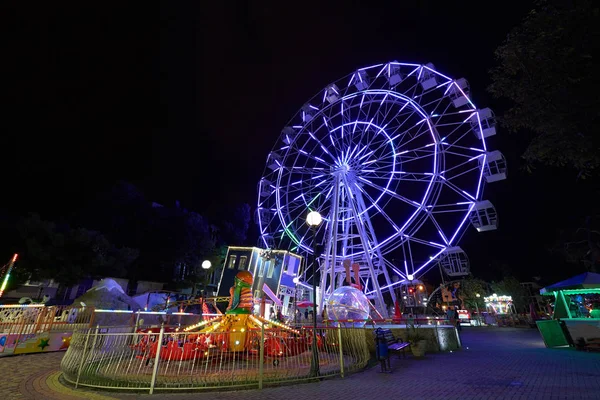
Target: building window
243, 261
271, 269
231, 264
292, 265
261, 268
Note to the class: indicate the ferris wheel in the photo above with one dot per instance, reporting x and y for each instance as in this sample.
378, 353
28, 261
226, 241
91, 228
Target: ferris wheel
394, 158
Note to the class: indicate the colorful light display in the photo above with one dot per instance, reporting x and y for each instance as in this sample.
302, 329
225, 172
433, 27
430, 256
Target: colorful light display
499, 304
9, 269
398, 147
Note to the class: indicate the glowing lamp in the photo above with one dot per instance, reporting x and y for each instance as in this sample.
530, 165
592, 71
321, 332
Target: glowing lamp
314, 218
206, 264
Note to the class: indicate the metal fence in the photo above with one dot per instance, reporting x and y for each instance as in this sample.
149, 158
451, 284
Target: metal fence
103, 358
20, 323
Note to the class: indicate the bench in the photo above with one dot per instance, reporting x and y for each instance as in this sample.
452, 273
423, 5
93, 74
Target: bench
393, 344
591, 344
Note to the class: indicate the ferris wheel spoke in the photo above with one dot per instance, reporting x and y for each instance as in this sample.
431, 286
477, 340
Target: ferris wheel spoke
459, 191
449, 179
419, 133
401, 127
314, 158
439, 228
302, 170
297, 186
306, 205
460, 171
380, 140
467, 156
379, 209
389, 192
416, 176
417, 158
432, 106
469, 149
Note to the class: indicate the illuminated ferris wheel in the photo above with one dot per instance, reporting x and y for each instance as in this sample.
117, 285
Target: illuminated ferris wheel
394, 158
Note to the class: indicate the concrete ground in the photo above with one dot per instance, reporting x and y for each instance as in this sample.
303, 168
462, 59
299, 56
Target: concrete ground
495, 363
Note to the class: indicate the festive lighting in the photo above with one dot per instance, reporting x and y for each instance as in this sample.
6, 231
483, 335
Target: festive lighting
7, 276
499, 304
314, 218
365, 159
199, 324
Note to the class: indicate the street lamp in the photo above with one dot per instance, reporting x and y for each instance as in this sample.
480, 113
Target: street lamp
314, 219
206, 264
477, 308
296, 280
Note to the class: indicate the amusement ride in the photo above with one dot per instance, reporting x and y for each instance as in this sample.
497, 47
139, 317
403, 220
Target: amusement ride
394, 158
389, 164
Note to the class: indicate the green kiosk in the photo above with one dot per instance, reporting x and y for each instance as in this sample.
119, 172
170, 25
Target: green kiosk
576, 317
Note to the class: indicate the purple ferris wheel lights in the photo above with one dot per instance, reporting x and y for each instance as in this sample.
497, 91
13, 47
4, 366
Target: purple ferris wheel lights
398, 173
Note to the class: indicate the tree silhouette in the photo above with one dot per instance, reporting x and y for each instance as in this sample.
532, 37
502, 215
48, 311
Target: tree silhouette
548, 69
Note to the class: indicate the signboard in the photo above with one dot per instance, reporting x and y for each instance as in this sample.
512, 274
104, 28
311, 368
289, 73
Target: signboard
286, 291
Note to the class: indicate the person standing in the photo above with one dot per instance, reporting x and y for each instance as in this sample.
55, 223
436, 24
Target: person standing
450, 315
457, 320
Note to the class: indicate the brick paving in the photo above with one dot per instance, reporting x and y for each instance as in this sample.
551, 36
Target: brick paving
495, 363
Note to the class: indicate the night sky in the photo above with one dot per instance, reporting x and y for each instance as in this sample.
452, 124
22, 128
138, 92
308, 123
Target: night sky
186, 100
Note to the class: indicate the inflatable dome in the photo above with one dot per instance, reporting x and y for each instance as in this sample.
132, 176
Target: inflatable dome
347, 302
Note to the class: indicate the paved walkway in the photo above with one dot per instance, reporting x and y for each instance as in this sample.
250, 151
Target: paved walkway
495, 363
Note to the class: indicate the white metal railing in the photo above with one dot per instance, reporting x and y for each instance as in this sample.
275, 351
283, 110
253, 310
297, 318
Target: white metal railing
99, 357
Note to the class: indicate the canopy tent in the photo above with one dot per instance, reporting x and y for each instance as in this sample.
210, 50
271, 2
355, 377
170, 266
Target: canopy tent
587, 282
568, 324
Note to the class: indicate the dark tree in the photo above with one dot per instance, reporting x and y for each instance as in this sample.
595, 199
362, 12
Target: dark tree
122, 213
580, 247
235, 229
177, 242
470, 287
510, 286
548, 69
66, 254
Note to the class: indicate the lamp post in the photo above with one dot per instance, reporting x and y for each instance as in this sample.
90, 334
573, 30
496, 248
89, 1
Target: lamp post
296, 280
314, 219
477, 307
206, 264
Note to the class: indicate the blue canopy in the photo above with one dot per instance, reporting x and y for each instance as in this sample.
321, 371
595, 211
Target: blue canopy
587, 280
